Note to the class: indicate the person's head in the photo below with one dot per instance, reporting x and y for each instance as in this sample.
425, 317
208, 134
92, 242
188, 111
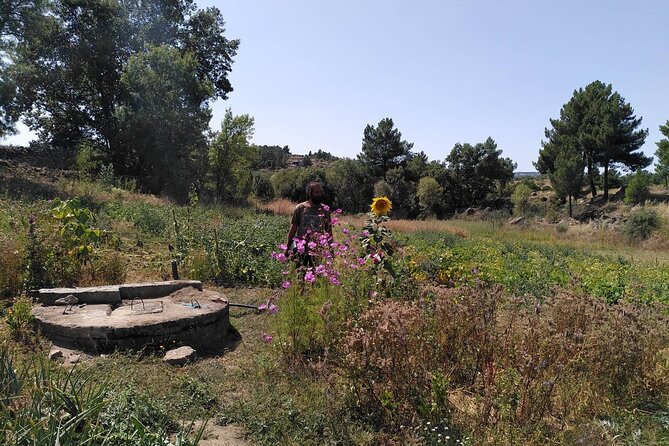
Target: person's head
315, 192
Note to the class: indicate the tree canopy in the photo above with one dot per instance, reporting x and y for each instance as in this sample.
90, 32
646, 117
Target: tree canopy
89, 71
383, 148
602, 127
662, 154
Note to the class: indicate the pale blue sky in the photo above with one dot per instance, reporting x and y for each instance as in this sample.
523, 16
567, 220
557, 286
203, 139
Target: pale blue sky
315, 73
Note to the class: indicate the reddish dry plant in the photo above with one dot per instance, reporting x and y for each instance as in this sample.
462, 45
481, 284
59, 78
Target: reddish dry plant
508, 361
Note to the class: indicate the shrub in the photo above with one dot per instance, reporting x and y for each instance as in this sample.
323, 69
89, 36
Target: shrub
511, 363
111, 268
641, 224
521, 199
638, 188
10, 268
19, 318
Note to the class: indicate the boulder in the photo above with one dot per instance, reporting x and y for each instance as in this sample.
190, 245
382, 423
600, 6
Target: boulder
516, 221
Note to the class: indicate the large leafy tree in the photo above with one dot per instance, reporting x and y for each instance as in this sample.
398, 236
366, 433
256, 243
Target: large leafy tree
383, 148
601, 125
662, 154
475, 170
64, 71
163, 122
231, 156
351, 184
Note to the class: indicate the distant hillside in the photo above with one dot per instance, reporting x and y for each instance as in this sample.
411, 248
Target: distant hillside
526, 174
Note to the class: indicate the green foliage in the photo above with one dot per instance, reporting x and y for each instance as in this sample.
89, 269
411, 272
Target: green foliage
73, 407
69, 73
272, 157
231, 156
475, 171
262, 186
641, 224
662, 154
19, 318
521, 199
291, 183
567, 176
383, 148
602, 127
11, 267
76, 227
638, 188
165, 92
351, 185
429, 195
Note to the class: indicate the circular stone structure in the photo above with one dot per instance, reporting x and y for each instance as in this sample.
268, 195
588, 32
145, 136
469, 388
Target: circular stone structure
135, 316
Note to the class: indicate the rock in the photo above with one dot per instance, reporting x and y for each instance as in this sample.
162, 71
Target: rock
55, 354
180, 356
516, 221
70, 299
470, 211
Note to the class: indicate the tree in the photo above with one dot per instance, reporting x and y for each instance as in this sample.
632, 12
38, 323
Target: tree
231, 157
415, 166
65, 72
602, 127
383, 148
351, 185
429, 195
403, 193
163, 123
475, 170
568, 175
662, 154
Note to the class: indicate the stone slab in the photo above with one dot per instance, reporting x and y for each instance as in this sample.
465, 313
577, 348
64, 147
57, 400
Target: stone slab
113, 294
152, 290
108, 294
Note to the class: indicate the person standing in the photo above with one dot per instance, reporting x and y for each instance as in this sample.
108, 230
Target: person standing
309, 217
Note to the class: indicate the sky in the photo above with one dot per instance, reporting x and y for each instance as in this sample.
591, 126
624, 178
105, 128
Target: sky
313, 74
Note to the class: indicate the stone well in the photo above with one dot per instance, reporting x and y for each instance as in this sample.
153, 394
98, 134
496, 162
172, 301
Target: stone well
134, 316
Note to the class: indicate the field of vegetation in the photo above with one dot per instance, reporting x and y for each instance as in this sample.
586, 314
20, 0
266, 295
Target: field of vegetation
439, 332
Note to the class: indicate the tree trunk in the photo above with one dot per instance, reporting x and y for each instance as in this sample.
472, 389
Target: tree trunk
606, 180
570, 211
591, 179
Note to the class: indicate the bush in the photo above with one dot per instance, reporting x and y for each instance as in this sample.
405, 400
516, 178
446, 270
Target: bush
521, 199
638, 188
10, 268
641, 224
509, 363
262, 186
19, 319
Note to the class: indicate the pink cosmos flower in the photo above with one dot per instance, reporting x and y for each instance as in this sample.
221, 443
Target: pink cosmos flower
267, 338
334, 281
312, 245
343, 248
345, 231
339, 211
373, 294
262, 307
365, 233
326, 208
320, 269
273, 309
309, 276
283, 247
361, 260
281, 257
334, 220
286, 284
285, 273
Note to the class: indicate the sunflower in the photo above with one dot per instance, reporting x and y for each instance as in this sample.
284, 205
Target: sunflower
381, 206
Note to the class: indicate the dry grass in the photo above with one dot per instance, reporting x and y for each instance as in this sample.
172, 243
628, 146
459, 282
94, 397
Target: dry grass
279, 207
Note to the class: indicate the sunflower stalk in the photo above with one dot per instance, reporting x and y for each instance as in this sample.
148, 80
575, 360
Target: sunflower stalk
377, 240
